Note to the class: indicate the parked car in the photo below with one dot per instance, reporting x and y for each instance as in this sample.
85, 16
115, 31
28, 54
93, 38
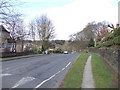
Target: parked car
65, 52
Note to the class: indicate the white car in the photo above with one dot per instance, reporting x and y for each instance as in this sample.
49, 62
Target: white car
65, 52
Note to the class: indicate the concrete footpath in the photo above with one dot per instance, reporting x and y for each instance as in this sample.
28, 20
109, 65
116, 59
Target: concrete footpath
88, 81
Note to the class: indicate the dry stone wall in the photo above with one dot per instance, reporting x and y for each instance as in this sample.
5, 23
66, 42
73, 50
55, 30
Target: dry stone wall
111, 55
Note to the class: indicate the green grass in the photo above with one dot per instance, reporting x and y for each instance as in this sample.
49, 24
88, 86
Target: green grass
75, 74
102, 75
19, 57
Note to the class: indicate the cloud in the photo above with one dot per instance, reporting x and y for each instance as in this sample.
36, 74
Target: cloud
73, 17
45, 0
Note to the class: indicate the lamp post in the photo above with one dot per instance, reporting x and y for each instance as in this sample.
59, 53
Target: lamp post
119, 12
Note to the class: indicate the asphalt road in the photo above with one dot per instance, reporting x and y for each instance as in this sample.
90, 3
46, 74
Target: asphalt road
36, 72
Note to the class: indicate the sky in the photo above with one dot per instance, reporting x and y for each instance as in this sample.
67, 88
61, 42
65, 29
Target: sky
71, 16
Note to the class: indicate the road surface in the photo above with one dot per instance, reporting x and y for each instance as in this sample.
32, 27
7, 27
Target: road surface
36, 72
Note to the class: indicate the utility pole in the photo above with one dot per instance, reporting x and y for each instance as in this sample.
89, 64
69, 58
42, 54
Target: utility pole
95, 42
119, 12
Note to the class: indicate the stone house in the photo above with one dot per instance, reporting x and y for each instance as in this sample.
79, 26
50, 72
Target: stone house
6, 42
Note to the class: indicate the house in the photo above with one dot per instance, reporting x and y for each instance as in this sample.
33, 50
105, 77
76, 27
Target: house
29, 44
19, 46
6, 42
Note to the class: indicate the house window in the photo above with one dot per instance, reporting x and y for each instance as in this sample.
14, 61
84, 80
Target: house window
9, 45
3, 45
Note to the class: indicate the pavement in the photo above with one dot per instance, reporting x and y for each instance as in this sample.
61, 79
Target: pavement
45, 71
88, 81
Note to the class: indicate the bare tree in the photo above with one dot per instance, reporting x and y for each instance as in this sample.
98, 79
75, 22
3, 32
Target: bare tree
7, 9
12, 24
16, 28
96, 31
92, 31
21, 32
45, 29
12, 19
32, 28
9, 17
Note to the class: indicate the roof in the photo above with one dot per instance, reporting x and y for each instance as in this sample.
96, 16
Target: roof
3, 29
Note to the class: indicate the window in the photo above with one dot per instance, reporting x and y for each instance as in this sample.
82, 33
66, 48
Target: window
3, 45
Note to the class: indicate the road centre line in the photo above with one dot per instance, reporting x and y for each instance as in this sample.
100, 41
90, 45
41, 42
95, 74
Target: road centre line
58, 72
63, 69
51, 76
44, 81
68, 64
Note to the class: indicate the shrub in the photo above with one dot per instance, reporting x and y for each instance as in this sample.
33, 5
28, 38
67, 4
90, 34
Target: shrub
110, 36
27, 49
36, 49
56, 51
116, 32
116, 40
112, 39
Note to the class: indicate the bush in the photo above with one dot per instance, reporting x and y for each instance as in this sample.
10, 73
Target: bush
56, 51
110, 36
116, 40
33, 49
36, 49
27, 49
116, 32
112, 39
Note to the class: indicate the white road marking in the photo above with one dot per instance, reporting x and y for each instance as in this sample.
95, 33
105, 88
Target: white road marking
68, 64
51, 76
63, 69
45, 81
23, 81
58, 72
1, 75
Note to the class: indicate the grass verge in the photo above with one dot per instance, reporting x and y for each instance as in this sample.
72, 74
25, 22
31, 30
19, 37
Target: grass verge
74, 77
19, 57
102, 75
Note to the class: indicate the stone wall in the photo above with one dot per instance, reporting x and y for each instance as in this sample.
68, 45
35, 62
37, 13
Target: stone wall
111, 55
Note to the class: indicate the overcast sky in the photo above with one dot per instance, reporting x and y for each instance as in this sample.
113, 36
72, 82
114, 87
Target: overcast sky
71, 16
